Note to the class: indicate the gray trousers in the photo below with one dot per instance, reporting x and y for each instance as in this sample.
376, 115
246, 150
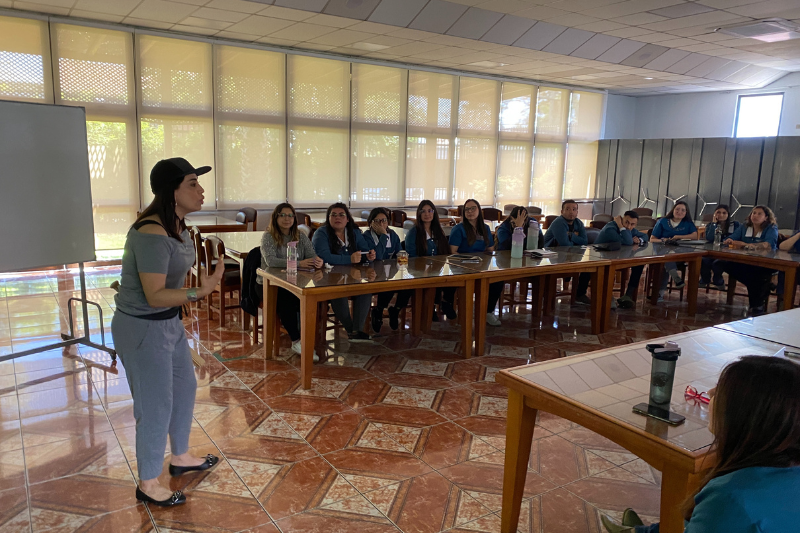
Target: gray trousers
158, 365
341, 309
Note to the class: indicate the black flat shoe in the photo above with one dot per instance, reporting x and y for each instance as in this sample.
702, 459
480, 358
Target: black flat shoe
210, 461
177, 498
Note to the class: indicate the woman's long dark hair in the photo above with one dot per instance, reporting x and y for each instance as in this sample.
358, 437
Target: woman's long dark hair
756, 417
350, 229
671, 214
275, 230
163, 205
437, 233
470, 230
515, 213
724, 225
771, 220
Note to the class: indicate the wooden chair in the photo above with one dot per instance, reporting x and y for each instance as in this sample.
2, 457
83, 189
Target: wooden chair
548, 220
643, 211
246, 215
303, 218
231, 281
199, 257
442, 211
508, 208
602, 217
645, 223
398, 217
597, 224
534, 210
493, 214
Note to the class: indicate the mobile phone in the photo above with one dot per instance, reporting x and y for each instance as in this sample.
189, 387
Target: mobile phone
673, 419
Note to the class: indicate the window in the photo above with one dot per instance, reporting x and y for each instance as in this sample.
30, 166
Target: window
250, 111
585, 122
515, 155
758, 115
25, 61
552, 112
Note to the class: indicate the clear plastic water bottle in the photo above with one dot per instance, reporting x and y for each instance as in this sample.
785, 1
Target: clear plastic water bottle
291, 257
517, 242
718, 236
533, 235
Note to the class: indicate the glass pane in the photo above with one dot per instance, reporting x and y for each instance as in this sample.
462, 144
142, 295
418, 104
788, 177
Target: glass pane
478, 102
175, 74
250, 81
586, 116
515, 108
514, 173
759, 116
251, 166
318, 88
318, 166
548, 177
581, 170
430, 100
551, 113
376, 169
476, 160
428, 164
23, 54
379, 95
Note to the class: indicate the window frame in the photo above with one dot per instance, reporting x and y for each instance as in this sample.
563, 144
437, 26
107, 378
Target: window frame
739, 108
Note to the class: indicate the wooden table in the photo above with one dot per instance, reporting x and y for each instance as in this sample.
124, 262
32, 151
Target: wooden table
501, 267
652, 253
423, 275
598, 390
213, 224
776, 327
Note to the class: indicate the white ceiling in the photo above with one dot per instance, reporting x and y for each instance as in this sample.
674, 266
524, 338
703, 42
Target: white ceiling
628, 47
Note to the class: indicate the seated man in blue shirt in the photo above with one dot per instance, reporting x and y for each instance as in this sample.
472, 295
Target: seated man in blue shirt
623, 230
568, 230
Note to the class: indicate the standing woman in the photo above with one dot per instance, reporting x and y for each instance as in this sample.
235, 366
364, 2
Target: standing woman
281, 231
677, 225
759, 232
427, 238
385, 242
340, 242
148, 332
518, 218
727, 226
471, 236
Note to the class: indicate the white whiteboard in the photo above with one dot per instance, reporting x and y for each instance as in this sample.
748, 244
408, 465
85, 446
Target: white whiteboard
45, 189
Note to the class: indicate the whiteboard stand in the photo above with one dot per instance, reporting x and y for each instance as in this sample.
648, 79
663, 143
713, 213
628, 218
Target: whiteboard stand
69, 338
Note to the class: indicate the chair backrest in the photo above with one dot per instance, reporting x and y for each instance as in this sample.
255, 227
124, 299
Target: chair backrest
597, 224
645, 223
305, 229
507, 208
591, 234
643, 211
460, 211
199, 254
398, 217
215, 249
442, 211
603, 217
548, 220
408, 224
708, 217
247, 215
492, 213
303, 218
365, 214
534, 210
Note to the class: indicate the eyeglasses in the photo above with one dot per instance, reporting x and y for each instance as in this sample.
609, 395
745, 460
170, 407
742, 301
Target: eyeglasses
285, 215
691, 394
470, 209
381, 221
427, 211
338, 215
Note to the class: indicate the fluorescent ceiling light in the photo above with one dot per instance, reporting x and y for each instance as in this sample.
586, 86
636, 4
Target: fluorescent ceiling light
767, 30
488, 64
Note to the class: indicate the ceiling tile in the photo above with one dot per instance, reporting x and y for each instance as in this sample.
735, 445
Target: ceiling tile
269, 39
437, 16
595, 46
474, 23
91, 15
539, 36
638, 18
305, 5
508, 29
236, 5
303, 31
667, 59
206, 23
627, 33
713, 17
120, 7
133, 21
746, 72
285, 13
628, 8
330, 20
707, 67
260, 26
162, 11
620, 51
572, 20
724, 4
397, 13
568, 42
236, 36
601, 26
218, 15
682, 10
501, 6
408, 49
341, 37
541, 12
678, 43
644, 55
688, 63
442, 53
196, 30
347, 8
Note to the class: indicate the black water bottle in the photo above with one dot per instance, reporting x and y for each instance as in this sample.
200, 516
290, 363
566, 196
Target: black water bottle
662, 378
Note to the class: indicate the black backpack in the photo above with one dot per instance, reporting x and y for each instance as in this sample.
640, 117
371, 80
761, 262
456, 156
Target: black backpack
251, 299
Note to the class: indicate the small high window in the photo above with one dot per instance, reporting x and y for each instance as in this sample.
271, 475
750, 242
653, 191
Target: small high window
758, 115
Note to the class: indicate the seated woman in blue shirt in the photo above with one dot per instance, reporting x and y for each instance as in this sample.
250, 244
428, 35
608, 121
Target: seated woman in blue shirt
518, 218
676, 225
721, 220
473, 235
340, 242
381, 238
759, 232
754, 415
427, 238
791, 245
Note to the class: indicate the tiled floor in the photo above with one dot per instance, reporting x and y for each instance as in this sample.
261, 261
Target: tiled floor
399, 434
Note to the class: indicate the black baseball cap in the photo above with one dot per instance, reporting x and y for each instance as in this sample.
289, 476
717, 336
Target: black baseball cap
167, 172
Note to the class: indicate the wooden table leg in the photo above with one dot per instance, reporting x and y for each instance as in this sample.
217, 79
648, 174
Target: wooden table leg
599, 306
674, 489
481, 303
269, 329
418, 304
608, 295
519, 436
789, 288
428, 297
658, 271
465, 318
537, 297
308, 327
693, 285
